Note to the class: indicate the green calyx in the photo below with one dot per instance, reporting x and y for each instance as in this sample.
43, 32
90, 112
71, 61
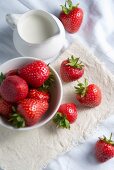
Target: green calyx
2, 77
16, 119
81, 88
61, 121
74, 62
108, 141
68, 6
48, 83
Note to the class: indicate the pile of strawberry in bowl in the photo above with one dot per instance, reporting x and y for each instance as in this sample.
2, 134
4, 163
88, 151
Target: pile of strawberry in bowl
30, 93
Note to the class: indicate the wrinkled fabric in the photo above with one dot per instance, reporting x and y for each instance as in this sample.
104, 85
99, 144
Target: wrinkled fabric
83, 156
97, 33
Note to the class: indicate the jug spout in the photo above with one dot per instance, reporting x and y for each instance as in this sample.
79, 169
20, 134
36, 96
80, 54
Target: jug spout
12, 20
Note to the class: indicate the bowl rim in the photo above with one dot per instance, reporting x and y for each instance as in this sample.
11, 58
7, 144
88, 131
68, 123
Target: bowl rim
55, 110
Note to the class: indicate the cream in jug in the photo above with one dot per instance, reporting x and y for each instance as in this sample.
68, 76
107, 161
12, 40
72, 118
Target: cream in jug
37, 33
35, 29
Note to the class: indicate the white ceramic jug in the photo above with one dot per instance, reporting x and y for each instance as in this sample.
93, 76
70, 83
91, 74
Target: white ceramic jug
37, 33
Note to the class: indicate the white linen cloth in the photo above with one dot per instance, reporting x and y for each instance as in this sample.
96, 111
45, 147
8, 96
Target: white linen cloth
97, 32
83, 156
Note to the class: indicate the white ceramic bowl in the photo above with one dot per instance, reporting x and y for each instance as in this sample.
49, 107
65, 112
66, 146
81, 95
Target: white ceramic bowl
56, 92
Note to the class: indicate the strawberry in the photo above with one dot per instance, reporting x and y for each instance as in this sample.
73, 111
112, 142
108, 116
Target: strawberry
35, 73
88, 95
5, 108
71, 69
67, 114
29, 112
71, 17
13, 89
39, 95
11, 73
104, 149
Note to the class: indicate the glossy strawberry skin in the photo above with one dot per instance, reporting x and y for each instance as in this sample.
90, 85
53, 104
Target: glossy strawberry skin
69, 110
5, 108
13, 89
69, 73
35, 73
72, 21
32, 110
92, 98
103, 151
39, 95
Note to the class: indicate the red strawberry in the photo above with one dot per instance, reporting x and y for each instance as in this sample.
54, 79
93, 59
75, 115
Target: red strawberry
35, 73
29, 112
67, 114
71, 17
11, 73
13, 89
39, 95
71, 69
5, 108
104, 149
88, 95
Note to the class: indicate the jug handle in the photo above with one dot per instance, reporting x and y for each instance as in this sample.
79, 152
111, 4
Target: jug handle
12, 20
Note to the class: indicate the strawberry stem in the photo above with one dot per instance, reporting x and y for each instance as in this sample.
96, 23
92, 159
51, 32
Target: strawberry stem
17, 120
65, 9
77, 5
48, 83
74, 62
69, 2
2, 77
81, 88
61, 121
110, 137
68, 6
108, 141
